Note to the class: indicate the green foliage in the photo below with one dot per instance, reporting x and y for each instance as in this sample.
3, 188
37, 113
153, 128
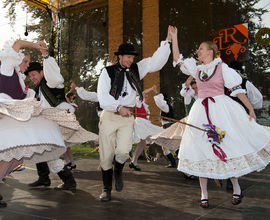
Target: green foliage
85, 150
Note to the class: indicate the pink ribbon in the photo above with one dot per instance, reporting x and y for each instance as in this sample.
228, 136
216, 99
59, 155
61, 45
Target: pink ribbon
217, 150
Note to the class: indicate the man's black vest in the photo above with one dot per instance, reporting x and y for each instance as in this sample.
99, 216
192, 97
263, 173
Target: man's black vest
53, 96
117, 73
228, 93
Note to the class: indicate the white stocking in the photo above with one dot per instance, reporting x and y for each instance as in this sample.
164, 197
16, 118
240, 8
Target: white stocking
236, 186
203, 184
141, 145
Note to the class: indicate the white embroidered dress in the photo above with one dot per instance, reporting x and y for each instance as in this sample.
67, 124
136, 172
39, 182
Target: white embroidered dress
246, 143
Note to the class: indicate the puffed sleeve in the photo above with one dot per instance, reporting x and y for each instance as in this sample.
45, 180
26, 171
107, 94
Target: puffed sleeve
10, 59
179, 61
161, 103
232, 80
86, 95
157, 61
52, 73
188, 93
189, 67
254, 95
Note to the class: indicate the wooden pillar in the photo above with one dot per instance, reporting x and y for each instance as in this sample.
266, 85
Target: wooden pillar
115, 27
150, 28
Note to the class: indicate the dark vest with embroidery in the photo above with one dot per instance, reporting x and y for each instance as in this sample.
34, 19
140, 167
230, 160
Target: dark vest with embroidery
11, 86
53, 96
117, 73
228, 93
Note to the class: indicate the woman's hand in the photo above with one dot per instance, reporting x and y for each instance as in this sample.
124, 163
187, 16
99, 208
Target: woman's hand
169, 37
173, 32
252, 114
42, 47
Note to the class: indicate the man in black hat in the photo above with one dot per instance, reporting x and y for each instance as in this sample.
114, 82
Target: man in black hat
117, 88
50, 90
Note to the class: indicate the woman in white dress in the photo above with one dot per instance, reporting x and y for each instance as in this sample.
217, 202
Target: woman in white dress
29, 133
246, 144
143, 128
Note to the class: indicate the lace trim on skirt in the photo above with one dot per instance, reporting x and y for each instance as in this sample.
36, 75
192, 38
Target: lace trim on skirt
234, 167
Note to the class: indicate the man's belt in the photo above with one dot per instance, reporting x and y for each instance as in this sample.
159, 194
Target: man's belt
132, 109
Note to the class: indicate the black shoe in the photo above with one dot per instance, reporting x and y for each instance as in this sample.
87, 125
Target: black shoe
189, 177
3, 204
65, 186
132, 166
70, 166
172, 161
171, 166
40, 182
204, 203
105, 196
69, 182
237, 199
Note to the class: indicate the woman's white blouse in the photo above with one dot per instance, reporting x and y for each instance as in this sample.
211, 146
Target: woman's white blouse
231, 78
86, 95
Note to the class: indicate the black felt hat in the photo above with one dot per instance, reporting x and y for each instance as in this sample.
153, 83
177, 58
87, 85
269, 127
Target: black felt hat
126, 49
33, 66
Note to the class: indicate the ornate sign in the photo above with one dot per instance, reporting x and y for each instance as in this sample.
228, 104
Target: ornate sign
232, 42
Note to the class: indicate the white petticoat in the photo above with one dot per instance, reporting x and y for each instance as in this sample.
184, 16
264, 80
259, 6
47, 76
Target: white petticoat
170, 138
246, 143
36, 134
143, 129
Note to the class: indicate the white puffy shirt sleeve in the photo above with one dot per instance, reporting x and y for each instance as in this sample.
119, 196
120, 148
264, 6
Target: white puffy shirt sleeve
189, 67
106, 101
52, 73
179, 61
157, 61
232, 80
254, 95
161, 103
86, 95
188, 93
10, 60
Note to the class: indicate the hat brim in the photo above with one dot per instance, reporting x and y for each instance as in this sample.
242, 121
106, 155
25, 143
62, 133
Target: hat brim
135, 53
32, 69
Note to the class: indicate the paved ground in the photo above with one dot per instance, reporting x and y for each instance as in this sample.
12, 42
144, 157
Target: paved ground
154, 193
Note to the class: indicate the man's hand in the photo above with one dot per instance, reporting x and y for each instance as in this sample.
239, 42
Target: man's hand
125, 112
154, 88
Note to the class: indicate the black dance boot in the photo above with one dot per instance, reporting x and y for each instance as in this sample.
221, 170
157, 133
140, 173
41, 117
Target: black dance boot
43, 174
118, 168
172, 161
105, 196
67, 177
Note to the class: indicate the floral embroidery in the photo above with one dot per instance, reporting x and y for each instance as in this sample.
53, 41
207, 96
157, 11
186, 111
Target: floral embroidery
204, 75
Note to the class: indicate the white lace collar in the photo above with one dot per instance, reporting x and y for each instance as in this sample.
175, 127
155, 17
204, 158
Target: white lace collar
209, 66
